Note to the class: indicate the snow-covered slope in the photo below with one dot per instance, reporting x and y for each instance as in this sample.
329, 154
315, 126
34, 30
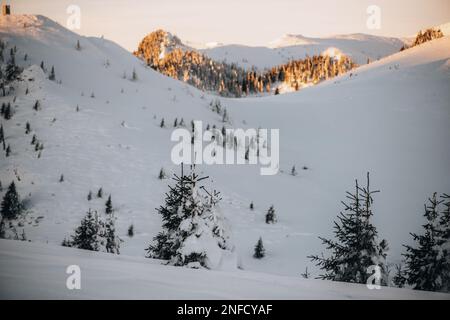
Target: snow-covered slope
360, 47
37, 271
391, 118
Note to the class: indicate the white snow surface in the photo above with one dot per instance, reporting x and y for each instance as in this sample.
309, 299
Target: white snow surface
391, 117
38, 271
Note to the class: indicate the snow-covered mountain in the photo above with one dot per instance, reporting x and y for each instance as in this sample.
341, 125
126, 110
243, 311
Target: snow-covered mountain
157, 45
390, 117
359, 47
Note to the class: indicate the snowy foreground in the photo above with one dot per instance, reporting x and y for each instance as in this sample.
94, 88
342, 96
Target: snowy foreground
38, 271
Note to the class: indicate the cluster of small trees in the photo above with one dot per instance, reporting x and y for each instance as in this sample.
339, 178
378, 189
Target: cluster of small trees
270, 218
6, 111
9, 70
356, 246
96, 232
230, 79
38, 145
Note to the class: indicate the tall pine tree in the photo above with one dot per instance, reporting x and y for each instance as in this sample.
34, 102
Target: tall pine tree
428, 263
356, 246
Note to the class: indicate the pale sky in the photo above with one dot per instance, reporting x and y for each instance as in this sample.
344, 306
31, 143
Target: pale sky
251, 22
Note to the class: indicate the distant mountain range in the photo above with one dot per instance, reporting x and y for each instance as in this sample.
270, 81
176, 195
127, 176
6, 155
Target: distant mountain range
358, 47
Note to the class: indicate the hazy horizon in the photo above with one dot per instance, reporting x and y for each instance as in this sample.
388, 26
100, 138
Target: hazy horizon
234, 22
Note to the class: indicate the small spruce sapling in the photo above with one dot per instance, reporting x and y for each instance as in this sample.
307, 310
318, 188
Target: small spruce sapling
270, 215
27, 128
52, 74
162, 174
260, 252
100, 193
131, 231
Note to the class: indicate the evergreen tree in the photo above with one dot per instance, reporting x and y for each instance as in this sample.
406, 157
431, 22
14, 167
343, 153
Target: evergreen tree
37, 105
108, 206
8, 112
260, 252
87, 235
131, 231
8, 151
89, 196
2, 228
225, 116
112, 240
162, 174
356, 246
175, 123
42, 66
52, 74
100, 193
11, 204
162, 125
400, 276
134, 76
270, 215
306, 274
66, 243
12, 71
293, 171
251, 206
2, 135
33, 139
27, 128
188, 217
428, 263
61, 178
